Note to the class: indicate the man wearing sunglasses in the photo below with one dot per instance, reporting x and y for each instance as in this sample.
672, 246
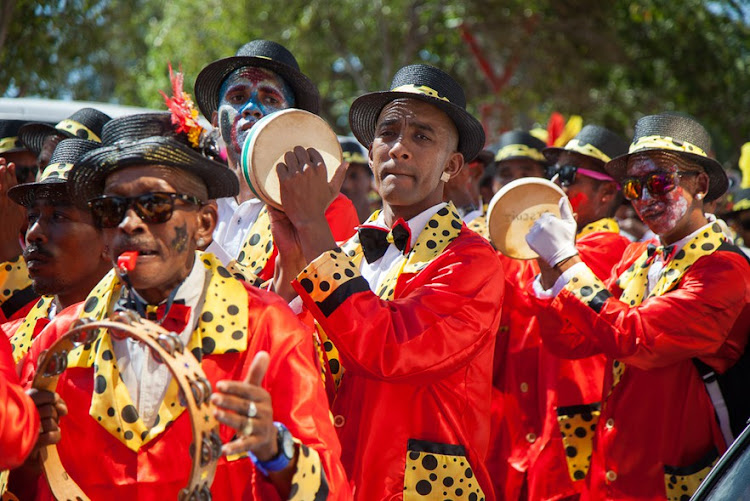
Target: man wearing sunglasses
234, 93
153, 196
666, 316
536, 384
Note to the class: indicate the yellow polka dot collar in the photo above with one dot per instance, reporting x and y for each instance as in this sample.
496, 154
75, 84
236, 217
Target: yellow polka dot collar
222, 328
606, 224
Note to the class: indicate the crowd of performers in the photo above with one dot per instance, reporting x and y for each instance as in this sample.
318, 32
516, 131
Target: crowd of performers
353, 354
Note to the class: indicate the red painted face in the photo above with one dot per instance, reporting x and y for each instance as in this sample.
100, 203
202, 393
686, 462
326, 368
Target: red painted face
661, 213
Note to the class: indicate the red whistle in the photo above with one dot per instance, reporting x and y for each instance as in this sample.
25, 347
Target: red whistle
126, 260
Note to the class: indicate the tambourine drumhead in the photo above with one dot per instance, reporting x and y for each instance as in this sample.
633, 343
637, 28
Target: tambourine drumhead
513, 210
272, 137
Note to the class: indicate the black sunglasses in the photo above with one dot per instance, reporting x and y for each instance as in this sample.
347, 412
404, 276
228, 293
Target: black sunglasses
657, 184
567, 174
153, 208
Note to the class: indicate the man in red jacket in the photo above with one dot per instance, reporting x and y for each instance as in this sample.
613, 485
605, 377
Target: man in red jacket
410, 305
152, 193
234, 93
534, 383
664, 315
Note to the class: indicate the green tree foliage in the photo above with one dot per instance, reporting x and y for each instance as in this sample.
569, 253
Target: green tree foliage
610, 62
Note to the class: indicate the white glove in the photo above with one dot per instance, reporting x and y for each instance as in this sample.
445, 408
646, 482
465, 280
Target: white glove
553, 238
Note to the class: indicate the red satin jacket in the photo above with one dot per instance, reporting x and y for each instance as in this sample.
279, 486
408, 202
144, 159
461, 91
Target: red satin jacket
107, 470
19, 421
527, 447
657, 431
412, 410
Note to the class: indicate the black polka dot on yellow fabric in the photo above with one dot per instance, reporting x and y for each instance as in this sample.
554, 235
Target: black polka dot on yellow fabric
324, 286
429, 462
209, 345
232, 309
443, 212
456, 224
433, 223
448, 481
129, 414
579, 475
128, 435
223, 272
349, 273
237, 335
197, 353
100, 384
424, 487
90, 304
307, 284
431, 244
469, 473
334, 365
207, 316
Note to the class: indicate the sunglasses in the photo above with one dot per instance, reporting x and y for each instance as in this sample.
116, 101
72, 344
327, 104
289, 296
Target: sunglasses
153, 208
567, 174
657, 184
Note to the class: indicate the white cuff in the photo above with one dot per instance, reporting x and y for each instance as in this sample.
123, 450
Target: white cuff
296, 305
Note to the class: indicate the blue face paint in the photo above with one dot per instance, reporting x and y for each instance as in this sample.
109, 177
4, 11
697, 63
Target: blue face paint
247, 95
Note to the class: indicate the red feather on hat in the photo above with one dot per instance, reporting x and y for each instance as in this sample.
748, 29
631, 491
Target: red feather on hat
184, 113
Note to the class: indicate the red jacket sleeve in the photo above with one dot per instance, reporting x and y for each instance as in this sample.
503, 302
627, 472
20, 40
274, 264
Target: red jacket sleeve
706, 315
19, 421
440, 317
293, 380
342, 218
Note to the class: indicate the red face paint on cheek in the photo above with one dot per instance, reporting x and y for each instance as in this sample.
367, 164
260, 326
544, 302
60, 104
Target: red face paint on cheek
578, 200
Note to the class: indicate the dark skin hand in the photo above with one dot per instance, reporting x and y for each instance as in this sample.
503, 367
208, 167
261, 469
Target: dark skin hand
51, 408
232, 399
301, 232
549, 275
13, 215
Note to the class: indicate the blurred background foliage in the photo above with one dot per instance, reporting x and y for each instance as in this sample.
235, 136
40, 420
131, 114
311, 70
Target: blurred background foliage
519, 60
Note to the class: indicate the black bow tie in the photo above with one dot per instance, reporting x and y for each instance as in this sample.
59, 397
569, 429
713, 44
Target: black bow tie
667, 252
375, 240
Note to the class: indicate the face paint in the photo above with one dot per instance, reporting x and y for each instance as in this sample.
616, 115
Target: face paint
247, 95
662, 213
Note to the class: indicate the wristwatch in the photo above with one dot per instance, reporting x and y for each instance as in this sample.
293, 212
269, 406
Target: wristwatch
283, 457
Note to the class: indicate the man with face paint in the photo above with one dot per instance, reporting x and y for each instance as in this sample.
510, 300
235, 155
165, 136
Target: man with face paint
410, 304
535, 385
152, 195
667, 315
234, 93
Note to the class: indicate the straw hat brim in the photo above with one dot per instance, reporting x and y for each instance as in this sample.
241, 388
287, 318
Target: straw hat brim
363, 116
208, 83
34, 134
51, 188
87, 178
718, 183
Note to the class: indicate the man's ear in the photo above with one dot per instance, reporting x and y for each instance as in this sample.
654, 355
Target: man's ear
207, 217
701, 184
215, 118
454, 164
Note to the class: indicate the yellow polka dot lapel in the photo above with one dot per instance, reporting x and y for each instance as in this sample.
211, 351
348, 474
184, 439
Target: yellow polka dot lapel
634, 280
602, 225
222, 328
256, 250
309, 477
14, 277
433, 468
479, 225
21, 339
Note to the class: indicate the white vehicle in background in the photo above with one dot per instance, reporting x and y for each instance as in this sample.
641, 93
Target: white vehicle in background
53, 110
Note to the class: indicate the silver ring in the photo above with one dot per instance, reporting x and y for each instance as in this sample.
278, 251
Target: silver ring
252, 410
247, 428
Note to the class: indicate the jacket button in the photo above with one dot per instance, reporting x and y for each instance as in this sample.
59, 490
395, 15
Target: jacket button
531, 438
610, 423
611, 476
339, 421
524, 387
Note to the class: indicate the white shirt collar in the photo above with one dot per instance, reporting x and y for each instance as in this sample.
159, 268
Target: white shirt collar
416, 224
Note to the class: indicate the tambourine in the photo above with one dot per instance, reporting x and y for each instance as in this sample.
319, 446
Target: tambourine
195, 393
272, 136
515, 208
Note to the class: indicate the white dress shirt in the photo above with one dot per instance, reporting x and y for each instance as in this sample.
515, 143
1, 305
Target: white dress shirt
233, 226
145, 378
375, 272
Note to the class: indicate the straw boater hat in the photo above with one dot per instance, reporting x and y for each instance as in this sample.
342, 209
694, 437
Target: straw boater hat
53, 182
86, 123
9, 140
352, 151
679, 134
593, 141
428, 84
261, 54
518, 144
146, 139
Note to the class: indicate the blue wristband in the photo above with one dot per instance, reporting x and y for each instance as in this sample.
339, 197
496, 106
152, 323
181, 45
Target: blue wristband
284, 455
